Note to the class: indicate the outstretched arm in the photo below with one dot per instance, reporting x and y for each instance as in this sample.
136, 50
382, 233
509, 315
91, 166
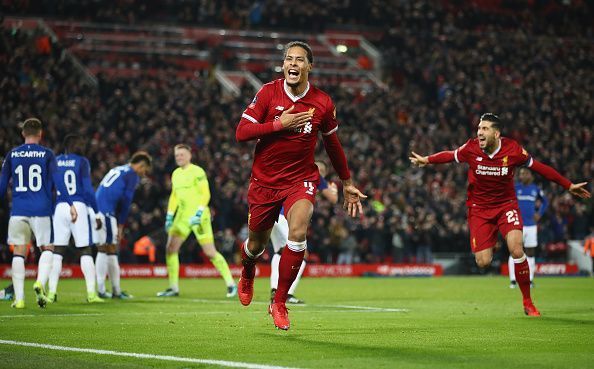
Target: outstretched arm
437, 158
576, 189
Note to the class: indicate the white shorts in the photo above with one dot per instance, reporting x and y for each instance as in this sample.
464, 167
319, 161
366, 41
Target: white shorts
63, 226
92, 217
108, 233
21, 227
530, 236
280, 233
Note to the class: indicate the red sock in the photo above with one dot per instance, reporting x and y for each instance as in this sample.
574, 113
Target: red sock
288, 268
523, 278
249, 264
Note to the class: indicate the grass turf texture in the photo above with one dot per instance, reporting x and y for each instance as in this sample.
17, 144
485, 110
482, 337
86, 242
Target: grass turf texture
451, 322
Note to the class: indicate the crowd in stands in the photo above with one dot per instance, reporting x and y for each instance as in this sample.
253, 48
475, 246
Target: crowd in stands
534, 17
441, 82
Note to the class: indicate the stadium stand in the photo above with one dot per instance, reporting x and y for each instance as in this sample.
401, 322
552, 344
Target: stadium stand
147, 86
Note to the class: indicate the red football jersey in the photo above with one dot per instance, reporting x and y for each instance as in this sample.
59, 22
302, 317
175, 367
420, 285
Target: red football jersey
286, 157
491, 177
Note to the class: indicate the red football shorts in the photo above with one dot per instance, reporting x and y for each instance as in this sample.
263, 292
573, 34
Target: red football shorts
484, 223
265, 203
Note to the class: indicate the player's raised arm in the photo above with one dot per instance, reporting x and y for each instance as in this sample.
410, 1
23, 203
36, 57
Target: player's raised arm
437, 158
418, 160
576, 189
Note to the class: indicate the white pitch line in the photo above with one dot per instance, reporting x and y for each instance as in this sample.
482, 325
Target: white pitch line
352, 307
224, 363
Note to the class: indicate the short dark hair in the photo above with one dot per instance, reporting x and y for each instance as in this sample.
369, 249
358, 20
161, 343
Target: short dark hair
494, 119
70, 142
31, 127
142, 156
302, 44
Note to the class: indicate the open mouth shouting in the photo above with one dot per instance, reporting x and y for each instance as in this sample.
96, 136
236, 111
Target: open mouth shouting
482, 141
293, 75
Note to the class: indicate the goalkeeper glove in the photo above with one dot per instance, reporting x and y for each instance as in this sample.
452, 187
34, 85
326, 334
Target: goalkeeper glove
197, 218
168, 221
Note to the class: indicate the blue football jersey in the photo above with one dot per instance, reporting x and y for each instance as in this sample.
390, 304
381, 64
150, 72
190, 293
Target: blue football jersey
116, 191
527, 196
323, 184
74, 174
31, 167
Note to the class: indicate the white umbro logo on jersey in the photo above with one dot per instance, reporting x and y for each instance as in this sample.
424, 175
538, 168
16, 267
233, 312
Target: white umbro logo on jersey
281, 108
478, 158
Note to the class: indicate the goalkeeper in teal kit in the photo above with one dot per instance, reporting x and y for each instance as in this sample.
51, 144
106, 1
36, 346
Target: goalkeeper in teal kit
187, 212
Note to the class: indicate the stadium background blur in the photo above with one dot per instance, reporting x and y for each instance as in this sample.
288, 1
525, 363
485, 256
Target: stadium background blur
149, 74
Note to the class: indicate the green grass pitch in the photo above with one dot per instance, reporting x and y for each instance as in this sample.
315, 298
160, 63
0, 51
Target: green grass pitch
449, 322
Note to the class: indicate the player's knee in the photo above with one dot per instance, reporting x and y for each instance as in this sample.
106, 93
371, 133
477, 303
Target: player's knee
298, 235
255, 247
483, 261
257, 242
516, 252
47, 248
60, 250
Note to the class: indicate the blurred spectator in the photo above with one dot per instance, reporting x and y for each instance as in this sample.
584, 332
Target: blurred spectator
347, 249
227, 244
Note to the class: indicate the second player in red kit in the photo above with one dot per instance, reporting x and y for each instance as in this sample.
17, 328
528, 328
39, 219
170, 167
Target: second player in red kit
491, 201
286, 117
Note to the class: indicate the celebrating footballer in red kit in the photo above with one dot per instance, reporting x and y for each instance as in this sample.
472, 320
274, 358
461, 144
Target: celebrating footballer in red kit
285, 118
491, 201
